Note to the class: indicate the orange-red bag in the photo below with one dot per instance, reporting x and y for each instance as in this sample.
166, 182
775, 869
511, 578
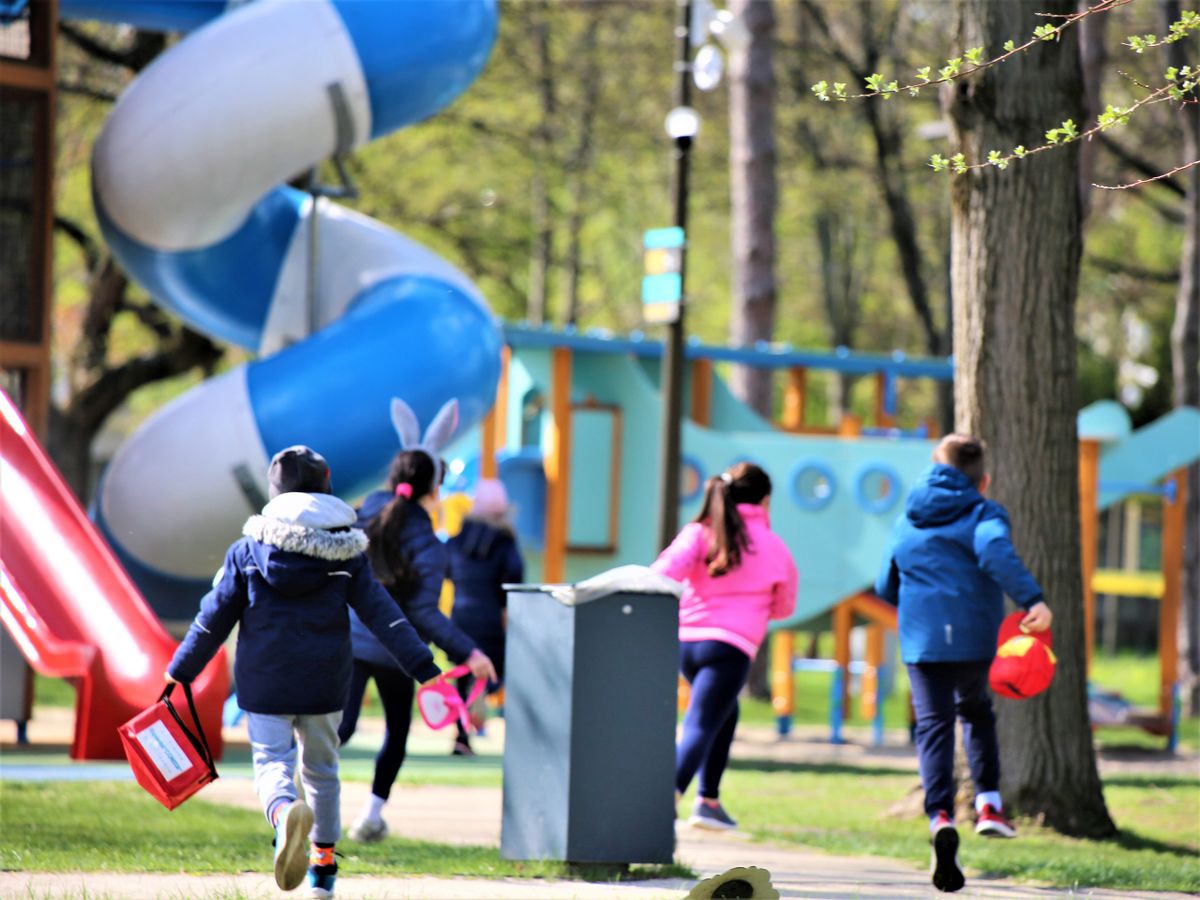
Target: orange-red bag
1025, 662
168, 760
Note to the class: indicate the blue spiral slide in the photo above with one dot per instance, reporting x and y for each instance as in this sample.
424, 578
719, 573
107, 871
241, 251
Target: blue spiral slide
186, 182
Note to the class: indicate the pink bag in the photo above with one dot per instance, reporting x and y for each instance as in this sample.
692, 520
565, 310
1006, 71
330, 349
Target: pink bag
440, 704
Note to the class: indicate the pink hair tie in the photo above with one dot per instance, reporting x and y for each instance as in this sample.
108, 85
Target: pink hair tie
404, 489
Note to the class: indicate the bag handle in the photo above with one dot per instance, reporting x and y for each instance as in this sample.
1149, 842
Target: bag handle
198, 740
474, 694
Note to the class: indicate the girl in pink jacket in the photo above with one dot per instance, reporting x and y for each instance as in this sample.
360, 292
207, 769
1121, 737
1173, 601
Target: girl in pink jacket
738, 574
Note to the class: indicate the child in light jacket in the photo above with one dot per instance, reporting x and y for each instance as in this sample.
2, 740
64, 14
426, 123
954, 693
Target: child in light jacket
288, 584
738, 575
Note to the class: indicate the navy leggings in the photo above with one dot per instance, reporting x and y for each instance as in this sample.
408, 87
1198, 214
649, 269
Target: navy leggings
940, 693
716, 671
396, 690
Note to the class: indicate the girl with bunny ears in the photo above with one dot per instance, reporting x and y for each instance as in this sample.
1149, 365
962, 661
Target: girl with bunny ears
409, 560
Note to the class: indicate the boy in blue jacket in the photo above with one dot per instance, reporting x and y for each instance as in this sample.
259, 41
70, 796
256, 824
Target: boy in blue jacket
287, 583
950, 562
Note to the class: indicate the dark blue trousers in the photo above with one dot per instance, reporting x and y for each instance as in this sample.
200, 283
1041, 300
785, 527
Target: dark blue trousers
940, 693
716, 671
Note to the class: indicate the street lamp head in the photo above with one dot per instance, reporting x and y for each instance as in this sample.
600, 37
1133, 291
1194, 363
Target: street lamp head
682, 122
708, 67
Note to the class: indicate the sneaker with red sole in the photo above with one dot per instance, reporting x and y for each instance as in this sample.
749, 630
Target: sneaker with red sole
991, 823
944, 866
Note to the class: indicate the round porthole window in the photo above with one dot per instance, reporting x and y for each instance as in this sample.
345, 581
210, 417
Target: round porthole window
691, 479
813, 485
877, 488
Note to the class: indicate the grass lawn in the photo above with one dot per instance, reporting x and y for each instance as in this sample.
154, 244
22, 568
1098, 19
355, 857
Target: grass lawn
841, 809
116, 827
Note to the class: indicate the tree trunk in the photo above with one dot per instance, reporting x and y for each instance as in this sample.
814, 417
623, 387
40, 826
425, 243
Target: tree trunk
580, 162
754, 193
543, 236
754, 199
1017, 239
1093, 57
1185, 368
841, 288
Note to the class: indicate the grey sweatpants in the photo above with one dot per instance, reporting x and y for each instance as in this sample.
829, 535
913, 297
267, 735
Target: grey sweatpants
273, 742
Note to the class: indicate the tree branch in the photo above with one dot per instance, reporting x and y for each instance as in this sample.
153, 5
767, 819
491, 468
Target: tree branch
87, 246
146, 45
1131, 270
1142, 166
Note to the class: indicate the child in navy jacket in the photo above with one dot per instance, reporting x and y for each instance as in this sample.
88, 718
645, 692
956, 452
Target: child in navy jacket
948, 567
288, 583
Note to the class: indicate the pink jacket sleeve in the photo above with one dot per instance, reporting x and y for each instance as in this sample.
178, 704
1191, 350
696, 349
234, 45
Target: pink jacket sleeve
686, 551
783, 594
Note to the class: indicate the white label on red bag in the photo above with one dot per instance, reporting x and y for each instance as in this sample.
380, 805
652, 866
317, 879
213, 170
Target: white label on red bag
164, 751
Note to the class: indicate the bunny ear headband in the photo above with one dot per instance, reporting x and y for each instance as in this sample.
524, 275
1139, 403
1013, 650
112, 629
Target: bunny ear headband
437, 435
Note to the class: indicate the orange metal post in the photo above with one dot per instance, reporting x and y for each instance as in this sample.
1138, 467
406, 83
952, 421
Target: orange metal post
1168, 612
495, 423
850, 426
795, 398
558, 467
870, 681
702, 383
1089, 526
783, 686
882, 418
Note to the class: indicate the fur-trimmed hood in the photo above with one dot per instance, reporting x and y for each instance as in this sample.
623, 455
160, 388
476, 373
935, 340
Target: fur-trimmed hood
298, 536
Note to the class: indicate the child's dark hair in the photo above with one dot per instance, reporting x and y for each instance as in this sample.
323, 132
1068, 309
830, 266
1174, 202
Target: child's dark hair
964, 453
741, 483
413, 475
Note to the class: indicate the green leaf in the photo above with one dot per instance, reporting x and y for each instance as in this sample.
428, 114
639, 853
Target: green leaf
1045, 32
1052, 135
974, 56
1010, 46
939, 163
821, 89
875, 82
959, 162
1019, 151
839, 89
923, 73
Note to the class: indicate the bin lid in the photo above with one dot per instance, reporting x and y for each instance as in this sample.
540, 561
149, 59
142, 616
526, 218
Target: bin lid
621, 580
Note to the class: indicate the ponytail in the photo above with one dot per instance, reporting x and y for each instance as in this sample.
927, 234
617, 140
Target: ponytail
729, 539
412, 477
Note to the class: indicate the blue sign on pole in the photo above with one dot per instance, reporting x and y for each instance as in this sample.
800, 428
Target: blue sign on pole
662, 286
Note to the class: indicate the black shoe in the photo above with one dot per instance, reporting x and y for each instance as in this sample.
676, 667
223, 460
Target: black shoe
947, 875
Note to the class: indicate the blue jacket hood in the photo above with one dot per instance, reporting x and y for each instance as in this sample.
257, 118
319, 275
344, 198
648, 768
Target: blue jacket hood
942, 494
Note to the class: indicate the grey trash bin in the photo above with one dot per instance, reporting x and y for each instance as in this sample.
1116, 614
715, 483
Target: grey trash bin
589, 713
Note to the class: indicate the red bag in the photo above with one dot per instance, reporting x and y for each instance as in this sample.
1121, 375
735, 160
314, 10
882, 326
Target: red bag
1025, 661
168, 760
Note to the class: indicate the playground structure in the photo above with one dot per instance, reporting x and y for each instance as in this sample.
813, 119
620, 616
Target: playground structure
72, 610
343, 313
1118, 465
573, 433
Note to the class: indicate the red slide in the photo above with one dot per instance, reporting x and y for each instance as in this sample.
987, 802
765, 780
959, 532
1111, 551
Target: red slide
71, 608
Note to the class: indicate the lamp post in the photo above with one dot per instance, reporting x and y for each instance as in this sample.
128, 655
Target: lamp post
682, 125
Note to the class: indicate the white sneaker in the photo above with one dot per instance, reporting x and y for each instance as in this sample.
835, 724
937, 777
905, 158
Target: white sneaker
368, 831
